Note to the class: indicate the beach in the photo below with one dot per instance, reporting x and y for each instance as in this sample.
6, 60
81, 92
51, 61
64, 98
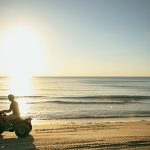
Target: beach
78, 134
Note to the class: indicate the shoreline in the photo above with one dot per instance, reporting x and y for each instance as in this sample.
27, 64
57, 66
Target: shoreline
90, 120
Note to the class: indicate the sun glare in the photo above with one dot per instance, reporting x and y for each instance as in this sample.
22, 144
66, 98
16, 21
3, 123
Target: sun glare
23, 52
23, 106
20, 85
22, 55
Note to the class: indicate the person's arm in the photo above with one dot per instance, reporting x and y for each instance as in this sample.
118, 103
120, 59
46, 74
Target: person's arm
7, 111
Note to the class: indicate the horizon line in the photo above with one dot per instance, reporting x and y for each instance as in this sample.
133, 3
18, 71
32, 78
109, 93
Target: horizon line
82, 76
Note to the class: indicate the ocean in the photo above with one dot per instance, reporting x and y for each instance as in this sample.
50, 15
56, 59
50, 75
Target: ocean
47, 98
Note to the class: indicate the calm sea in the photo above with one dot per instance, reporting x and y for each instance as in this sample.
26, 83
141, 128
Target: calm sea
79, 97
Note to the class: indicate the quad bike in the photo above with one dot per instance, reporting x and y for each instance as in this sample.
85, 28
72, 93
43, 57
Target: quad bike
22, 127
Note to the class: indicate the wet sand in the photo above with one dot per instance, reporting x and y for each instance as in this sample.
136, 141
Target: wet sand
81, 135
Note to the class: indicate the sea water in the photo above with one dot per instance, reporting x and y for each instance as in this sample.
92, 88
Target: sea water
79, 97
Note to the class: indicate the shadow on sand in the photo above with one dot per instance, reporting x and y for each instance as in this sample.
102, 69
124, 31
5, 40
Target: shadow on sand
17, 143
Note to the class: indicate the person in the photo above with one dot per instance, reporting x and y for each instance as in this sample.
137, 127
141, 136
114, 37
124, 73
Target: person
14, 108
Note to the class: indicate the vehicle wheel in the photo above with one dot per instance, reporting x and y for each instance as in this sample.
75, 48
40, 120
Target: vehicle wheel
30, 128
1, 128
22, 130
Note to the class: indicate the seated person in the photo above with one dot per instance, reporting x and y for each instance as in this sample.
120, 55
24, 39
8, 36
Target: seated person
14, 108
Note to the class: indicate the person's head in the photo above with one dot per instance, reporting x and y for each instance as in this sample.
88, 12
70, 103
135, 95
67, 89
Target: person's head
11, 97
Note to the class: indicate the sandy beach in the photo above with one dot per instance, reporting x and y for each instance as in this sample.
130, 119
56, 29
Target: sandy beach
81, 135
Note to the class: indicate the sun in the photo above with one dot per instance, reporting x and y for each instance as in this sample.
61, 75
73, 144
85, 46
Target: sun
22, 52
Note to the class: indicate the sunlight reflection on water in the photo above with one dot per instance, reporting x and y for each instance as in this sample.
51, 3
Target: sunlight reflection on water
24, 106
21, 86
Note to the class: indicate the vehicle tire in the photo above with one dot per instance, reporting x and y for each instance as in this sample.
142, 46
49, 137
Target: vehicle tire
1, 128
30, 128
22, 130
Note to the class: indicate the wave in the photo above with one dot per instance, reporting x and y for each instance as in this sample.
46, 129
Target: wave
104, 99
89, 102
92, 117
107, 97
77, 102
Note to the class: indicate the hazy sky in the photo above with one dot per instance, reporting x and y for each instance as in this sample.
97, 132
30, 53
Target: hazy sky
76, 37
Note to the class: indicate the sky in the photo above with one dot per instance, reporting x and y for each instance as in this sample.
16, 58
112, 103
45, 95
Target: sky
75, 37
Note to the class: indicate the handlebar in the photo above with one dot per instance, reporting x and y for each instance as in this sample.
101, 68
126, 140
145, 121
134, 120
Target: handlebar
2, 113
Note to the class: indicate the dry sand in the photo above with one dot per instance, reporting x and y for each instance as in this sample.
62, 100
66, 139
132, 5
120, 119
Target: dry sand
77, 135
